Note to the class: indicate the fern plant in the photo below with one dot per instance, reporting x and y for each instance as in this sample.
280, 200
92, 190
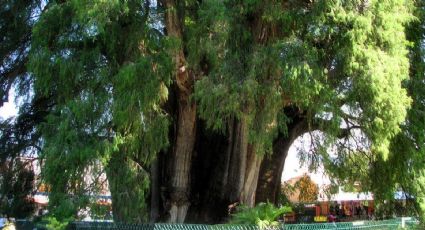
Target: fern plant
264, 215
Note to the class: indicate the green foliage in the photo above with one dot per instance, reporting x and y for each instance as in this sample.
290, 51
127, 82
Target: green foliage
284, 193
129, 186
405, 168
16, 185
53, 224
370, 56
308, 190
100, 211
321, 58
393, 208
107, 70
263, 215
17, 135
16, 21
402, 168
241, 79
351, 168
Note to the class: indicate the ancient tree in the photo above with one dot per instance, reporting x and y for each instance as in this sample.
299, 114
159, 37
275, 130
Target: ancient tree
191, 106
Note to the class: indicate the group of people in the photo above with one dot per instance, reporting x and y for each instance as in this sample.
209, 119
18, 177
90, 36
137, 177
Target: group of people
338, 211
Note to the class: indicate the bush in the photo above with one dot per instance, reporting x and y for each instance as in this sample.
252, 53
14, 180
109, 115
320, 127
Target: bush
55, 224
263, 215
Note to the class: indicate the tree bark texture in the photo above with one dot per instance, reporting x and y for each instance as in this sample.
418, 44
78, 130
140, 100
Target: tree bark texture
207, 179
182, 156
186, 122
234, 177
238, 160
251, 177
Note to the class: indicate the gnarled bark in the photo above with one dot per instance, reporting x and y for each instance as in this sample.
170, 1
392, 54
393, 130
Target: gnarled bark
254, 160
238, 159
243, 164
182, 158
186, 123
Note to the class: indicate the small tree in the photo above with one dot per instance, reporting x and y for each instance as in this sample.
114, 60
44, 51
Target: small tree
308, 189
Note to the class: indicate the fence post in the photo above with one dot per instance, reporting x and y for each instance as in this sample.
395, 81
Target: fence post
403, 221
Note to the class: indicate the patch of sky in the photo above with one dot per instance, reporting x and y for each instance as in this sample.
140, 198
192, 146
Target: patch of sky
91, 30
9, 109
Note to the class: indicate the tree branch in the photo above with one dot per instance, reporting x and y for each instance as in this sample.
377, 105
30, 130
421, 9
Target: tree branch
320, 125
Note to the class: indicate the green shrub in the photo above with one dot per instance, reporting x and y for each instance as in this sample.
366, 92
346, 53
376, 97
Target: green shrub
55, 224
263, 215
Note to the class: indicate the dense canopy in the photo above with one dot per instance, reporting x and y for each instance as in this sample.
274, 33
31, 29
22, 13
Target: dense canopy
187, 107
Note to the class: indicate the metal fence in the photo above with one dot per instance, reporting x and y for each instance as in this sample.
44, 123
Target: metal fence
370, 225
398, 223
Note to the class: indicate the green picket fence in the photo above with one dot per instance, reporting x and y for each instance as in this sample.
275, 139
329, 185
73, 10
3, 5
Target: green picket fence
367, 225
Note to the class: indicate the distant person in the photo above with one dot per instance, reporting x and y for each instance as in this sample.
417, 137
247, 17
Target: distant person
331, 217
358, 210
366, 210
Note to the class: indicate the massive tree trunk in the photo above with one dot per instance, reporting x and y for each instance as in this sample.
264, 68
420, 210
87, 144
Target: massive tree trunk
235, 177
243, 164
225, 173
237, 161
207, 171
182, 159
251, 177
272, 166
186, 122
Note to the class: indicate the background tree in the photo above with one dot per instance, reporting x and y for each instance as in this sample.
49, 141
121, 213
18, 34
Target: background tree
403, 169
347, 94
17, 183
104, 66
300, 190
19, 138
308, 190
16, 21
